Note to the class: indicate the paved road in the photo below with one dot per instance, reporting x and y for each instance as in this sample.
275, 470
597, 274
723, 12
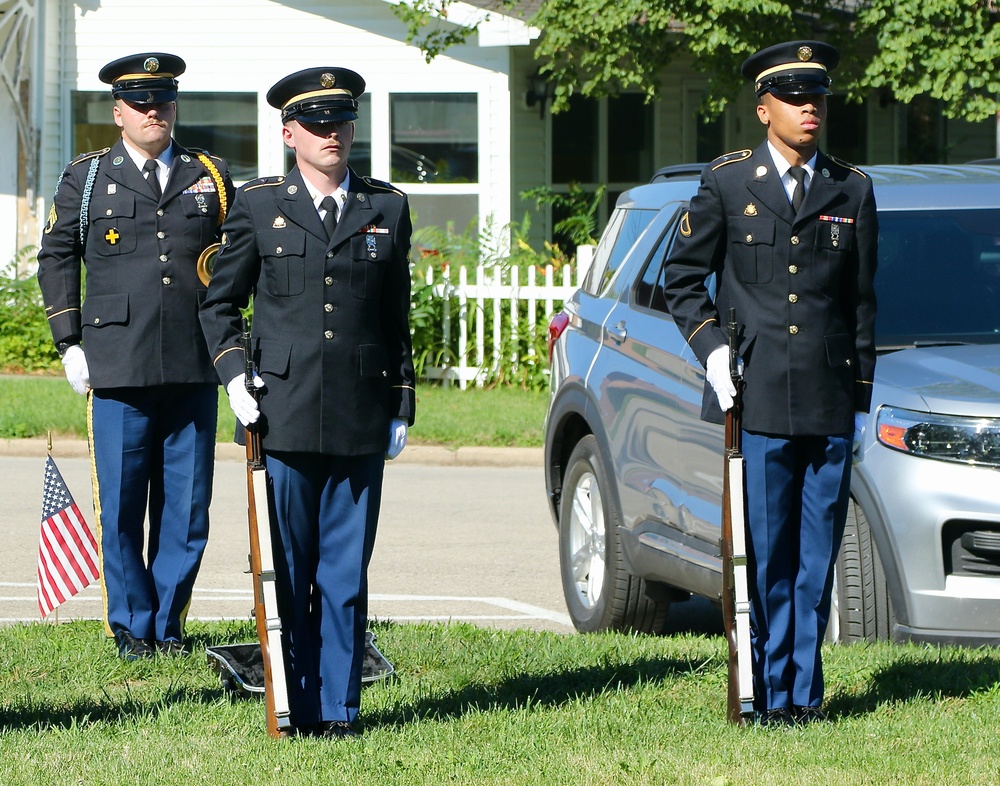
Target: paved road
455, 542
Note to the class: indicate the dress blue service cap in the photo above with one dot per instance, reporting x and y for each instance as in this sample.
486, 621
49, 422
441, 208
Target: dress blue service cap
318, 95
147, 78
793, 68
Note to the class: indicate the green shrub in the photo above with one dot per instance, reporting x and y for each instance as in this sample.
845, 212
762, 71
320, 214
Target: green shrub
25, 341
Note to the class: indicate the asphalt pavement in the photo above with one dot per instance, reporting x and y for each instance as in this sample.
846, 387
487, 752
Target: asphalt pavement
464, 535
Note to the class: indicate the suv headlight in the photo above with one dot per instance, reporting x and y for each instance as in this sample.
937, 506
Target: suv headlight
945, 437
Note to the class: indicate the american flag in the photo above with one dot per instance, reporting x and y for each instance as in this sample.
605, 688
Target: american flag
67, 551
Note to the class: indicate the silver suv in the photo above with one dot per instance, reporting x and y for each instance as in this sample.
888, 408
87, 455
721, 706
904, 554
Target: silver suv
634, 476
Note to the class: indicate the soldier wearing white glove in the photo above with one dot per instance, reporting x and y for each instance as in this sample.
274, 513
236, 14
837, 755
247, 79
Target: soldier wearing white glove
74, 361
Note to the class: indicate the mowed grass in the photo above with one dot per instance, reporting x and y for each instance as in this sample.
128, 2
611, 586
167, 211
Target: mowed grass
478, 706
34, 406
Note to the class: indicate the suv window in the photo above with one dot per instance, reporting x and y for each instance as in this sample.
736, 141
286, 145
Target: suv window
939, 277
648, 292
623, 230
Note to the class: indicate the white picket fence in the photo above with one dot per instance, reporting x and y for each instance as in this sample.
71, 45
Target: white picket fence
495, 291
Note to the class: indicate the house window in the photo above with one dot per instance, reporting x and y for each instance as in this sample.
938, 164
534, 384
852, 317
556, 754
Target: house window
225, 124
435, 137
606, 142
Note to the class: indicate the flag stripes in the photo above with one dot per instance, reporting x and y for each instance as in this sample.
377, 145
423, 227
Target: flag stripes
67, 551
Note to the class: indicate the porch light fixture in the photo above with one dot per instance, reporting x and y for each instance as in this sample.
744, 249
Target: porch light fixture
540, 91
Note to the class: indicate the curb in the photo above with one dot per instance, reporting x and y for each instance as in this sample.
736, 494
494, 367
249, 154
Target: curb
427, 455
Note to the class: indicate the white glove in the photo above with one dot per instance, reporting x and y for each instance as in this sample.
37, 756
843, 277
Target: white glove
860, 419
717, 375
243, 404
397, 438
77, 371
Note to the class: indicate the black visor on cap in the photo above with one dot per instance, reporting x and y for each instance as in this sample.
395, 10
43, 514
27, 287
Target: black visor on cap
145, 91
796, 83
323, 110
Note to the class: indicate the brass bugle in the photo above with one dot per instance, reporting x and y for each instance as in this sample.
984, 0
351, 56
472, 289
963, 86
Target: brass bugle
206, 263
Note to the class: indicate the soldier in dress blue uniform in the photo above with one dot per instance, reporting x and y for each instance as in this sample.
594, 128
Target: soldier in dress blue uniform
323, 255
791, 235
137, 216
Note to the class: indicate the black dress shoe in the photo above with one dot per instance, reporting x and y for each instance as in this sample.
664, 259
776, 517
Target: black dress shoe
776, 718
806, 715
335, 730
131, 648
171, 647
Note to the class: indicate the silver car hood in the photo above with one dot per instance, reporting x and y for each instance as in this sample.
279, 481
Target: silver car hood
958, 380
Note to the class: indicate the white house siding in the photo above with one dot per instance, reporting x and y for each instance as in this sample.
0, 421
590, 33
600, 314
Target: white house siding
247, 45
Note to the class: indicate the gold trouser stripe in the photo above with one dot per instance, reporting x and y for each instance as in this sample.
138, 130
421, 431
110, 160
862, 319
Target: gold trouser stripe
97, 510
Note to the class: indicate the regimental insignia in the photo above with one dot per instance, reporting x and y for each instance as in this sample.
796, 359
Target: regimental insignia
151, 64
52, 219
686, 224
293, 190
826, 172
278, 223
112, 236
761, 171
750, 210
118, 161
805, 53
112, 188
328, 80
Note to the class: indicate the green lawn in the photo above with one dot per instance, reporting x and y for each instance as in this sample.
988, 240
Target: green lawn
476, 706
33, 406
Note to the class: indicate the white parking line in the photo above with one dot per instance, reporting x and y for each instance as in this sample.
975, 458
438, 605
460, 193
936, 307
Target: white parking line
520, 611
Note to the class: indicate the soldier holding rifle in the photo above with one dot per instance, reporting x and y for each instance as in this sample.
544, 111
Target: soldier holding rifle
792, 236
323, 254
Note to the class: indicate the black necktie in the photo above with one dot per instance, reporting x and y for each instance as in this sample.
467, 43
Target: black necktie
152, 177
799, 176
330, 219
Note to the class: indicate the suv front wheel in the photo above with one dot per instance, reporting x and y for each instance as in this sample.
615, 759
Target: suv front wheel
600, 593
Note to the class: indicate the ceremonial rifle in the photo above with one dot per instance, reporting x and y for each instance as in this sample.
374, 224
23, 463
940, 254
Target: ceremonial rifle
265, 599
735, 586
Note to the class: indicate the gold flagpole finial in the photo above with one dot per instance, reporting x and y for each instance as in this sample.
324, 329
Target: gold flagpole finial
48, 440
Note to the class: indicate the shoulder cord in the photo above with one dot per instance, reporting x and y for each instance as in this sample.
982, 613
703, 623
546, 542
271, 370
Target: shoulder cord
220, 187
85, 200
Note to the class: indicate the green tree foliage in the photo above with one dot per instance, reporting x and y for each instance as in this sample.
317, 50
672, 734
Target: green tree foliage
943, 49
25, 340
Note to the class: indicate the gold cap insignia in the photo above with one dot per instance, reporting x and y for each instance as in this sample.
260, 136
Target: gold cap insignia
805, 53
761, 171
151, 64
327, 79
750, 210
686, 224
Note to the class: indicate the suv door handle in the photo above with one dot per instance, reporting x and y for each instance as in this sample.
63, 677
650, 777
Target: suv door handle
618, 332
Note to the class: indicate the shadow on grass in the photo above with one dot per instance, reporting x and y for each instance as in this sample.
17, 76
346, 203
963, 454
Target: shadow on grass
911, 679
550, 689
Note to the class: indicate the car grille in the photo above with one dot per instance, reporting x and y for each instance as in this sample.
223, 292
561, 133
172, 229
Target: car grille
972, 548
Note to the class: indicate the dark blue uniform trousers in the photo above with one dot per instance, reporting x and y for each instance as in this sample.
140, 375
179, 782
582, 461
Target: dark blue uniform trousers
797, 495
326, 509
152, 446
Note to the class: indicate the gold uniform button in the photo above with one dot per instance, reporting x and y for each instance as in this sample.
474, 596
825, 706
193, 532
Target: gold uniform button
328, 308
97, 320
793, 329
329, 334
793, 269
793, 298
749, 238
108, 212
166, 281
163, 257
161, 235
159, 212
795, 240
278, 250
328, 280
329, 255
